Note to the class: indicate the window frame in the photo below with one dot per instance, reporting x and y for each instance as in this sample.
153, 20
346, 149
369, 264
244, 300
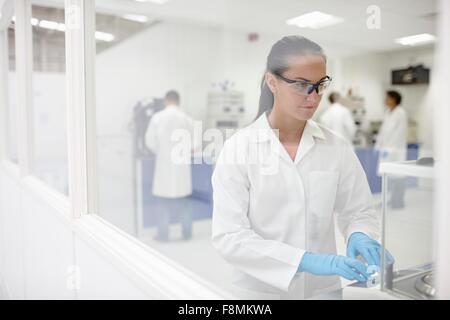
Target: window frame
8, 11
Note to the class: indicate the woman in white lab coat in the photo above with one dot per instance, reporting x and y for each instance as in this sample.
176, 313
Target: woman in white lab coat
279, 181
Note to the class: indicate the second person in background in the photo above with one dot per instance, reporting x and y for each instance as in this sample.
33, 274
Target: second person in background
339, 118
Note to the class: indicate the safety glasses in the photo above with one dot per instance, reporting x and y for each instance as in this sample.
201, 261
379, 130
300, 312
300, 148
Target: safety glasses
305, 87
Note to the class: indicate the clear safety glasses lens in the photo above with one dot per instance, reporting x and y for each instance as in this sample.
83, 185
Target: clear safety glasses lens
308, 88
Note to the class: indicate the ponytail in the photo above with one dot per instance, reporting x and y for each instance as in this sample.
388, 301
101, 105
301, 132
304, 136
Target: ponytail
266, 99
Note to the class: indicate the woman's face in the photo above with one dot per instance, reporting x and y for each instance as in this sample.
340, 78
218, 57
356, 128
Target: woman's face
311, 68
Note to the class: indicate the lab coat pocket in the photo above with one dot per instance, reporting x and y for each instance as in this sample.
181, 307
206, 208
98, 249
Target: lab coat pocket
322, 191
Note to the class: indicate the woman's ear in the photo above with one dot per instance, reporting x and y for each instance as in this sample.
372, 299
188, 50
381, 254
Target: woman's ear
271, 82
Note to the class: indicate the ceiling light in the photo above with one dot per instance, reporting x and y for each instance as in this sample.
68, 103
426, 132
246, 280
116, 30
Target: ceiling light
135, 18
61, 27
314, 20
417, 39
46, 24
103, 36
53, 25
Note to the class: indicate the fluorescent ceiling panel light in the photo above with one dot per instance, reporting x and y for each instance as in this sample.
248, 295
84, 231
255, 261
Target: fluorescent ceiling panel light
46, 24
135, 18
417, 39
53, 25
103, 36
61, 27
34, 22
314, 20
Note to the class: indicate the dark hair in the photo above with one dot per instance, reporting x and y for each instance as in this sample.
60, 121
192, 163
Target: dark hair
334, 97
172, 95
395, 95
278, 62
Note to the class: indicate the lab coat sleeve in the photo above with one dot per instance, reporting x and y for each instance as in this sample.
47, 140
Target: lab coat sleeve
354, 202
272, 262
150, 136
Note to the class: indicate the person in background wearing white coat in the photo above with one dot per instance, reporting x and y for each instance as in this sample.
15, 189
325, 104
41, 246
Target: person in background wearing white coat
391, 143
172, 181
339, 118
273, 216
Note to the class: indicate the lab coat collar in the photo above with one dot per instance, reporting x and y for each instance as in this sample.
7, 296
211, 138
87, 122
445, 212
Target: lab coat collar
315, 130
261, 130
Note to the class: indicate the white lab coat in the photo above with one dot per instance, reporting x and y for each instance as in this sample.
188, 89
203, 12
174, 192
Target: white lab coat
269, 212
339, 119
169, 136
392, 137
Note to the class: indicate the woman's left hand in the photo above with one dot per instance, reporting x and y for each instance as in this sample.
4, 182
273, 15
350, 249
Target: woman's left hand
359, 244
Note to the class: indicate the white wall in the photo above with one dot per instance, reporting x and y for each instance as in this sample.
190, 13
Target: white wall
49, 126
365, 75
187, 58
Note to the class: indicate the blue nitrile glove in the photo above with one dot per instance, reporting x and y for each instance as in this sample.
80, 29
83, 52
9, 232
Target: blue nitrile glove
330, 265
360, 244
